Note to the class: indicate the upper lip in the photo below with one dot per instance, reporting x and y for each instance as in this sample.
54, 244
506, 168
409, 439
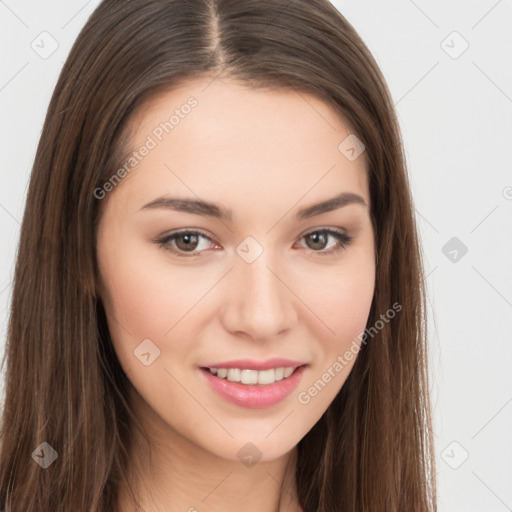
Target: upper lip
251, 364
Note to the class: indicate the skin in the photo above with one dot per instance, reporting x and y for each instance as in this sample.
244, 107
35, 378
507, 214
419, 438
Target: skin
263, 154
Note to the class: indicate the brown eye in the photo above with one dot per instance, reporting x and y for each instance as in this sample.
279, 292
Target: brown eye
190, 241
184, 242
318, 240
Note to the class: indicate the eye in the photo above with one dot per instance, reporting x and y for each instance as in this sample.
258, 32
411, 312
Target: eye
189, 241
183, 241
319, 238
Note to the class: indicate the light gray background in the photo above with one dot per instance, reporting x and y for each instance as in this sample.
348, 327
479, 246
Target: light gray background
455, 111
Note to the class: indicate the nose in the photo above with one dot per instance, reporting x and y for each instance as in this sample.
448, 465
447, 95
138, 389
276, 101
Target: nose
259, 301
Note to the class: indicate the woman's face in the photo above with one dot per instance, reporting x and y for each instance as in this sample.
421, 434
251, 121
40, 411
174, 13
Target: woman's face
251, 281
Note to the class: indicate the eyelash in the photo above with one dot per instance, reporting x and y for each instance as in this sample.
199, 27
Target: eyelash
343, 239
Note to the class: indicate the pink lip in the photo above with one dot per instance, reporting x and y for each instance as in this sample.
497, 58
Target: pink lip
249, 364
252, 395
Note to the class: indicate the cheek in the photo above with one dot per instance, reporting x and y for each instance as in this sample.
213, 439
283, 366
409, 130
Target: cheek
146, 301
345, 308
341, 299
343, 305
146, 290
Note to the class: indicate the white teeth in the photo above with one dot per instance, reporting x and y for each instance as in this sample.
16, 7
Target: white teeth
234, 374
261, 377
288, 372
266, 376
248, 376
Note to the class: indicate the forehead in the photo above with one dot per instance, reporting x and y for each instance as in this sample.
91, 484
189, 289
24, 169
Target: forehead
227, 142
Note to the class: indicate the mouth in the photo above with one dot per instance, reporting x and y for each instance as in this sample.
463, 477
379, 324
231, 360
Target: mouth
255, 389
253, 377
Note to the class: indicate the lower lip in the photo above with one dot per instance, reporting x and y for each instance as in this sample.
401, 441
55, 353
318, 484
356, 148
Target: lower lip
252, 395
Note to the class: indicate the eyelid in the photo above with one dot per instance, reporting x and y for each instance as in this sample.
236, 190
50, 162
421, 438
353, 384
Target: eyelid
339, 230
194, 231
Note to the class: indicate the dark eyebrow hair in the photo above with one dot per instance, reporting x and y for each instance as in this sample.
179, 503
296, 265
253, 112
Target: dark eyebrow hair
339, 201
201, 207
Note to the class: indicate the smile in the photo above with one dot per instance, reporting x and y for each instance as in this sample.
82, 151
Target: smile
256, 389
246, 376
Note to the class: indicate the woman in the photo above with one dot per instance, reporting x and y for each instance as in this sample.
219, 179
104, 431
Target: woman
218, 299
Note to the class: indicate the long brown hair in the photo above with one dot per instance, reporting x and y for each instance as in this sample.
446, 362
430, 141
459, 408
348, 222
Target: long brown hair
372, 450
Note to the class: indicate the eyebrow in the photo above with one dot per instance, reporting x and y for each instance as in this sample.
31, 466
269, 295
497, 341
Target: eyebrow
206, 208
